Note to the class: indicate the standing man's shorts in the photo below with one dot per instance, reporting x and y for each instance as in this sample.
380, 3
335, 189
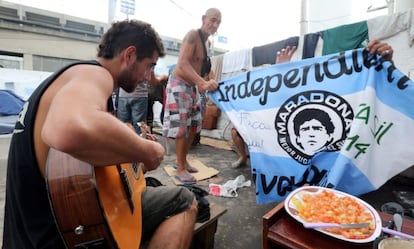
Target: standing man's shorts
182, 109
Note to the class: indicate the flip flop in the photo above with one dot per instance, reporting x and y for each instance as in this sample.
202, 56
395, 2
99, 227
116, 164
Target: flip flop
189, 168
186, 179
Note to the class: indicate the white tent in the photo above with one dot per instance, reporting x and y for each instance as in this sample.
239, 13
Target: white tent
21, 82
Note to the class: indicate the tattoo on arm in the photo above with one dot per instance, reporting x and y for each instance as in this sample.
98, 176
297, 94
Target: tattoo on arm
190, 39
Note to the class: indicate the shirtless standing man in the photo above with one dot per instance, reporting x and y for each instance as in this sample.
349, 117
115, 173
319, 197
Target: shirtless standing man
182, 118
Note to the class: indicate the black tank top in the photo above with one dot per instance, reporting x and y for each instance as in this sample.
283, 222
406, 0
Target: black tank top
28, 218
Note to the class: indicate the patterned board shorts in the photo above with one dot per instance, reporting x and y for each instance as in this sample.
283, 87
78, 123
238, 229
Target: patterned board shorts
182, 113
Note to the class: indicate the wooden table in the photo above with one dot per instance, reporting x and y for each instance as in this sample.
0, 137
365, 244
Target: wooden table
280, 230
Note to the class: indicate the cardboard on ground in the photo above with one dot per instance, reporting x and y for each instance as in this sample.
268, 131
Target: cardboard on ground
203, 173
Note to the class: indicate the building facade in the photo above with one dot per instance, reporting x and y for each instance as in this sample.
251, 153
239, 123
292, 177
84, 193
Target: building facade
34, 39
40, 40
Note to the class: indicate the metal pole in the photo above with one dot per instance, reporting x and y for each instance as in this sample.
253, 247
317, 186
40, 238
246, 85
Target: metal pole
111, 10
212, 50
304, 28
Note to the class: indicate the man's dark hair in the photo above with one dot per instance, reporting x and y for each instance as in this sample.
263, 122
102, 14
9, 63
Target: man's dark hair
131, 33
309, 114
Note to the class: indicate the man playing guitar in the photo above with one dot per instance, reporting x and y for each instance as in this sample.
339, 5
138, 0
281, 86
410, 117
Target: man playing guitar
69, 113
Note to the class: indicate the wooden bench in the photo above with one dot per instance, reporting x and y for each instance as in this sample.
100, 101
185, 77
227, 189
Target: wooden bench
204, 232
282, 231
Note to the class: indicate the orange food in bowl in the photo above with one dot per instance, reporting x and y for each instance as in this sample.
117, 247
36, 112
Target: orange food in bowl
328, 207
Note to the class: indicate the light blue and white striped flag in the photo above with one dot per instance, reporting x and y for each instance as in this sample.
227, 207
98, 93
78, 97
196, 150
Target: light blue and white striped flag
343, 121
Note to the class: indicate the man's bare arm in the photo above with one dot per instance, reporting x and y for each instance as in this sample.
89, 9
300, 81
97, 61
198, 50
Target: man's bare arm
84, 129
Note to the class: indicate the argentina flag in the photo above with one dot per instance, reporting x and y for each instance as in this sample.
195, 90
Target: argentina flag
343, 121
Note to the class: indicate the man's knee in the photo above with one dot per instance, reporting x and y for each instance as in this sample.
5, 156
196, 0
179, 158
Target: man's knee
190, 200
194, 207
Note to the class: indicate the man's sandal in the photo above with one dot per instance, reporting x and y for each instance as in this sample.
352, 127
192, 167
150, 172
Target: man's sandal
186, 179
189, 168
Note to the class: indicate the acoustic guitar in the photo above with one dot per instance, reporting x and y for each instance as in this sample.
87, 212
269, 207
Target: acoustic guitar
95, 207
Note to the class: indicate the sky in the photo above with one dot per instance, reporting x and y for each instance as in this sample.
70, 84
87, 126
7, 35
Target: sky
245, 23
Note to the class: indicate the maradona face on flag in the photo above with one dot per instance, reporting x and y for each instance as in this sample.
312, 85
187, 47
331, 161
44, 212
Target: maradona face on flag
321, 123
342, 121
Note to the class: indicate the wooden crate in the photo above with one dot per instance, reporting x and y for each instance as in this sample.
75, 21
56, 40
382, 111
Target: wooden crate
203, 237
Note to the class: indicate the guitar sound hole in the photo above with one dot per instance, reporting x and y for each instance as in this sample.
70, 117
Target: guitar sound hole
135, 167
